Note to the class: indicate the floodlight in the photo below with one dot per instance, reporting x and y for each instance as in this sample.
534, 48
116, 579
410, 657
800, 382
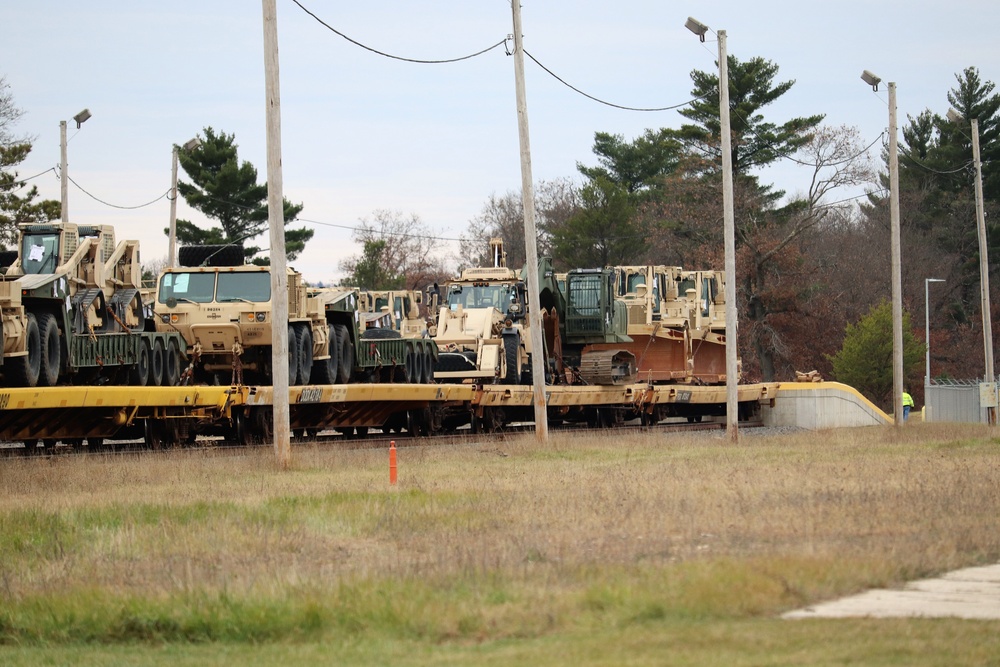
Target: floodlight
697, 27
192, 144
871, 79
81, 117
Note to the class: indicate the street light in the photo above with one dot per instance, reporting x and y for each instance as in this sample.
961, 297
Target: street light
172, 247
927, 329
984, 264
897, 280
729, 228
80, 118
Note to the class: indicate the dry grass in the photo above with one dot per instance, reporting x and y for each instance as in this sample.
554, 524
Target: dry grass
503, 540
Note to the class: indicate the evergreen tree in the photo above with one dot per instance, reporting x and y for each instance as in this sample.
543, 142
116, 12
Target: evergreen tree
226, 190
370, 272
865, 359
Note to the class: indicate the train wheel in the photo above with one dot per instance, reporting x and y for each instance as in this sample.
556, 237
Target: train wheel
304, 341
138, 375
293, 356
25, 370
51, 350
324, 371
172, 364
345, 348
153, 434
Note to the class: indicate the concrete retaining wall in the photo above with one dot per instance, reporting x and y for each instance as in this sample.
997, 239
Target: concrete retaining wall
816, 405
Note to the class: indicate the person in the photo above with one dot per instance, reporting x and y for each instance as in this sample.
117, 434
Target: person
907, 405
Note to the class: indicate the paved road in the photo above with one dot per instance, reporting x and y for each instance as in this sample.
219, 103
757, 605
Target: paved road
970, 593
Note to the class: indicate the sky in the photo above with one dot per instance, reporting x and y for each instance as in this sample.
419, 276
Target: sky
362, 132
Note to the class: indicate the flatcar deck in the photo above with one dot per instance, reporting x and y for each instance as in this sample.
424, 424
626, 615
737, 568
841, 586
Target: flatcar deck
179, 413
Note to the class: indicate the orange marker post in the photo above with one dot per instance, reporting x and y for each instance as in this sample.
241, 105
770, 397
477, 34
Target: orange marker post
392, 462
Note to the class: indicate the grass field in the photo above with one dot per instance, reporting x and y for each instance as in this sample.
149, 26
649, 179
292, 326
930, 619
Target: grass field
652, 549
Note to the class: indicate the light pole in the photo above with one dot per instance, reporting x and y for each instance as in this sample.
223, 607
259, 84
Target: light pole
897, 280
63, 175
984, 264
927, 329
172, 248
729, 229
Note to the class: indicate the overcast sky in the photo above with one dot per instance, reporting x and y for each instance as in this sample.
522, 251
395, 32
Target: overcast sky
363, 132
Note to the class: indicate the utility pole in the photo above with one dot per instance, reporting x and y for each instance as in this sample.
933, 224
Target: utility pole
63, 176
729, 238
984, 273
897, 280
172, 245
530, 248
276, 222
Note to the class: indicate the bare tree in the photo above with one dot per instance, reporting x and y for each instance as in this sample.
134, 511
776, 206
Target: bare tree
503, 216
10, 113
408, 251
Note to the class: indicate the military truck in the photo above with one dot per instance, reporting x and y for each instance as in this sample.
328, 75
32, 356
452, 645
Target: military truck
480, 327
72, 312
402, 307
224, 314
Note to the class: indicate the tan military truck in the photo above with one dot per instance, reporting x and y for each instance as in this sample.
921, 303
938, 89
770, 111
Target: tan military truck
73, 312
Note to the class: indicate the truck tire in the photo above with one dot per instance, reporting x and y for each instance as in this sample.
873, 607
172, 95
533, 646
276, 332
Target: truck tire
511, 343
293, 357
138, 375
51, 352
304, 341
24, 371
156, 364
171, 364
345, 354
324, 371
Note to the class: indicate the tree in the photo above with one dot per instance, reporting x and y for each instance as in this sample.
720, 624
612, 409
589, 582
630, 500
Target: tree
15, 208
370, 272
226, 190
634, 165
503, 217
402, 246
865, 359
601, 234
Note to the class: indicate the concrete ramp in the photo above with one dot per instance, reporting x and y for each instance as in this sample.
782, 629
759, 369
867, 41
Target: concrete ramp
818, 405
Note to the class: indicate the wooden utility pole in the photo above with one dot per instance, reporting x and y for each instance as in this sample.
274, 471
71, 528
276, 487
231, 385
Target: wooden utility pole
897, 280
729, 238
172, 237
530, 248
984, 273
276, 222
63, 176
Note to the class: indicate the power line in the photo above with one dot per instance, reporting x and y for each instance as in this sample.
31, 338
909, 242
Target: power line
128, 208
610, 104
389, 55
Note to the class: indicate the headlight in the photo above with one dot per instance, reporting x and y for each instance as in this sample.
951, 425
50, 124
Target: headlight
165, 319
261, 317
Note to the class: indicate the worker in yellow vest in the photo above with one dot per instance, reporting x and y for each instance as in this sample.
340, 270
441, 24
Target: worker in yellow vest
907, 405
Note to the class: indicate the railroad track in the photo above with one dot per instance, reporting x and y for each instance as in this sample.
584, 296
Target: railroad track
373, 440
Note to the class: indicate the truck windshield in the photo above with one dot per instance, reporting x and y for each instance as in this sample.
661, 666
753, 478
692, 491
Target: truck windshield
196, 286
40, 253
480, 296
254, 287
